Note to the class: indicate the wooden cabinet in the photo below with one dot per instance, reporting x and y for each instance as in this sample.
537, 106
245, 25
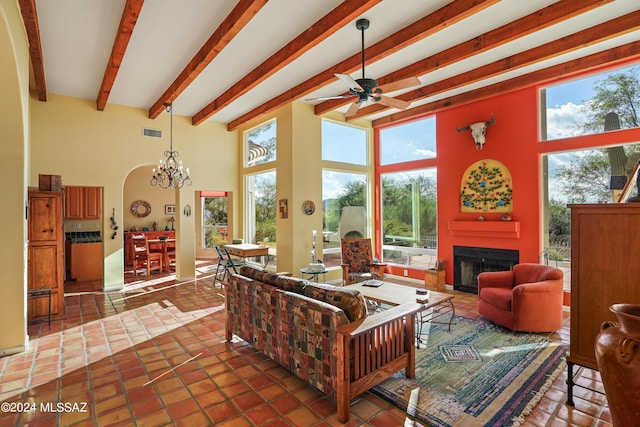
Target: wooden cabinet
73, 200
128, 244
86, 261
45, 253
83, 203
92, 202
604, 271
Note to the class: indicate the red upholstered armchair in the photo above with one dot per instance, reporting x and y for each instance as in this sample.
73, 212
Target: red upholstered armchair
527, 299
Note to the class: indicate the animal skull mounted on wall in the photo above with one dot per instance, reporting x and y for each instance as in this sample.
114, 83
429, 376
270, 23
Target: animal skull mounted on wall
478, 131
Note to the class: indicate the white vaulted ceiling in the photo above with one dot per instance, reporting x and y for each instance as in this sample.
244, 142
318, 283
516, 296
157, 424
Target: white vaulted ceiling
263, 54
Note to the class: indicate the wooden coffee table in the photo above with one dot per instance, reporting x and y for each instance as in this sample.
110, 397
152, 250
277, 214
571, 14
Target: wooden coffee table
439, 304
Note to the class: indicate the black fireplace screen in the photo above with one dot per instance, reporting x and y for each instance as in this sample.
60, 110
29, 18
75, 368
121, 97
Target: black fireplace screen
470, 261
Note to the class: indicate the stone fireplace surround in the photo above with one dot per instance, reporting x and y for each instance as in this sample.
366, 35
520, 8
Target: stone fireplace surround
469, 261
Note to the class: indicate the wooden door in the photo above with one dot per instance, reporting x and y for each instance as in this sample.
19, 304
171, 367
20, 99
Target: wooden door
92, 202
45, 254
43, 266
73, 203
44, 223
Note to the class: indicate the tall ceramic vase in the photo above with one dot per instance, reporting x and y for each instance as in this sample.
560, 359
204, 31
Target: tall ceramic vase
618, 356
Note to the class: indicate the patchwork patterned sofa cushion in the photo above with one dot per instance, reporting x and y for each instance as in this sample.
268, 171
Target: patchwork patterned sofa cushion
285, 283
351, 301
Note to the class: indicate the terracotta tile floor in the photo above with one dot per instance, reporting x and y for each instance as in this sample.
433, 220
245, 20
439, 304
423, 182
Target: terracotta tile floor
155, 355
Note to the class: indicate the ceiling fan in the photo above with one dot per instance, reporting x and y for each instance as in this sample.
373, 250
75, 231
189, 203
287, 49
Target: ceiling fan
365, 89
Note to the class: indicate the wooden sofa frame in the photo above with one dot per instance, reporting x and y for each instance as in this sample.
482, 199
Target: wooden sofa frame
378, 346
368, 350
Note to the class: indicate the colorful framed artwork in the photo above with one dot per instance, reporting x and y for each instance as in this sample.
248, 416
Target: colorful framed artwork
486, 187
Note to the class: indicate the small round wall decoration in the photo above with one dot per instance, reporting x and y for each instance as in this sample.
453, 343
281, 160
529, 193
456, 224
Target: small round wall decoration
308, 207
140, 208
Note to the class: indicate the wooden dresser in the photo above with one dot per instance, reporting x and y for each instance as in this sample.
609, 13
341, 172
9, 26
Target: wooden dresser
605, 270
45, 254
128, 245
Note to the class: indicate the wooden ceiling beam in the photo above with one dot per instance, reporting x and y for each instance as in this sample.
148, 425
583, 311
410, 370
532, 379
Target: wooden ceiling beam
333, 21
590, 36
448, 15
610, 57
30, 19
128, 22
240, 16
524, 26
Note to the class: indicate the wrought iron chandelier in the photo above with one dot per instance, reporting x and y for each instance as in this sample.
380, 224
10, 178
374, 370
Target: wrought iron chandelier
170, 172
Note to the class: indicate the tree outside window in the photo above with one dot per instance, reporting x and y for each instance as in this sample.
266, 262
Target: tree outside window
261, 208
409, 218
214, 220
605, 102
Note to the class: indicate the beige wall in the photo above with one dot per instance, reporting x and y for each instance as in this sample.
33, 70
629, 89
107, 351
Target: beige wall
299, 177
137, 187
69, 137
14, 148
105, 149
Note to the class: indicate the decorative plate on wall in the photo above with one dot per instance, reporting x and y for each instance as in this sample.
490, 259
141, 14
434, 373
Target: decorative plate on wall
140, 208
308, 207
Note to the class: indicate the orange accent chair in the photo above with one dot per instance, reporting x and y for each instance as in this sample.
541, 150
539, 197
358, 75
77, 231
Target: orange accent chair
527, 299
357, 261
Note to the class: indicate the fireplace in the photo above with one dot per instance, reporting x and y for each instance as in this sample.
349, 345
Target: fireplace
469, 261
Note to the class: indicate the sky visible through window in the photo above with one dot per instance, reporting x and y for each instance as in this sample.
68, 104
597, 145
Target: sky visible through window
412, 141
565, 111
343, 143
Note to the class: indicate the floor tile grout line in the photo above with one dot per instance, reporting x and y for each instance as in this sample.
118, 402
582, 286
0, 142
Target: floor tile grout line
194, 305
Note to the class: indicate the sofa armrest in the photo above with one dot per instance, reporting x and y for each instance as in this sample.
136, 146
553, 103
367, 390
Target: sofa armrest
495, 279
379, 319
372, 349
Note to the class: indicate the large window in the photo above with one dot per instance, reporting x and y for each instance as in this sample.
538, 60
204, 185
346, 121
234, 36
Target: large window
261, 208
595, 104
343, 143
409, 226
260, 144
214, 218
580, 107
408, 142
344, 199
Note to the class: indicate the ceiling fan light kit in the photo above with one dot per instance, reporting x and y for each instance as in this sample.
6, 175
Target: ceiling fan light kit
366, 89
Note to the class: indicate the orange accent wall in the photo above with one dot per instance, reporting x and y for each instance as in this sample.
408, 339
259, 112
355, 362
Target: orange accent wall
514, 141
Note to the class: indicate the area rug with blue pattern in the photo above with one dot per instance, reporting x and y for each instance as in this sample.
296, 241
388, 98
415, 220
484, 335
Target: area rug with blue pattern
476, 374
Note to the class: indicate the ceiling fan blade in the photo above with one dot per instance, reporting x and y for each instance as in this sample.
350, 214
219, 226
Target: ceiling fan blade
352, 109
327, 98
392, 102
350, 81
400, 84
